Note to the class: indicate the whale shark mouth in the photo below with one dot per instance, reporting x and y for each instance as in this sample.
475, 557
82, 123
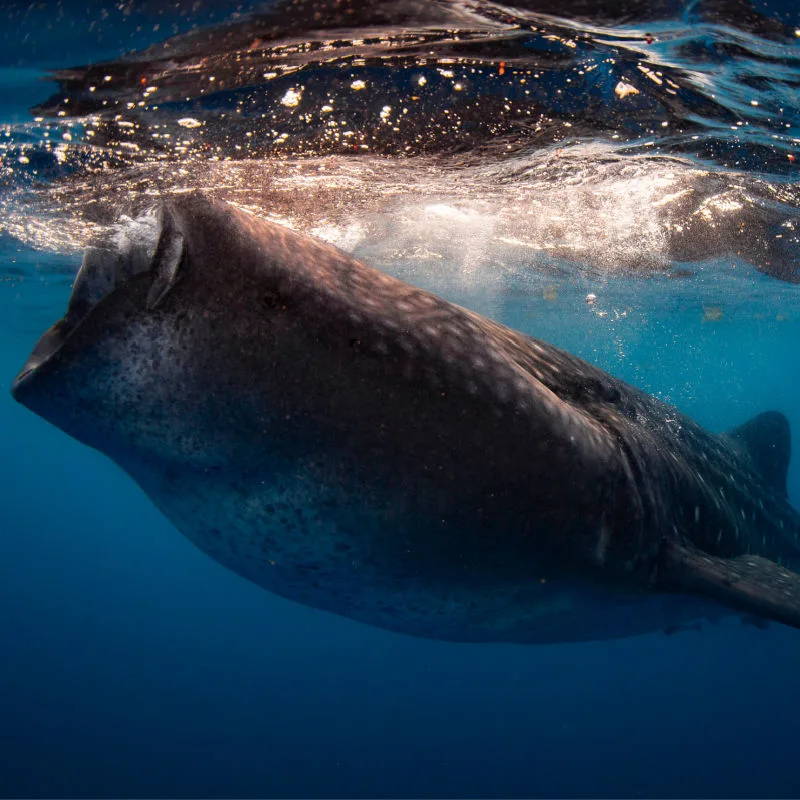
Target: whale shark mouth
147, 243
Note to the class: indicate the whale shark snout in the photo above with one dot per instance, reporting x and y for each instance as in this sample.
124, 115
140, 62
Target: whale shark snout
356, 444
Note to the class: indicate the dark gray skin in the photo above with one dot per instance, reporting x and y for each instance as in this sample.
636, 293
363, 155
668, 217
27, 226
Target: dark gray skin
358, 445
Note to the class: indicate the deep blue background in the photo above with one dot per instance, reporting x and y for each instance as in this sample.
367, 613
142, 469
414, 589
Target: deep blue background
132, 665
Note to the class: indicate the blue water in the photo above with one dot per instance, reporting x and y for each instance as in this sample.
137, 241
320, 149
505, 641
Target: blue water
133, 665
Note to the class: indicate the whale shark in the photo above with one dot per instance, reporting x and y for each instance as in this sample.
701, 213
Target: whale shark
358, 445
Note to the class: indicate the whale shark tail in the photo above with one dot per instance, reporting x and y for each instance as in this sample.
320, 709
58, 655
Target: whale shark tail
751, 583
758, 586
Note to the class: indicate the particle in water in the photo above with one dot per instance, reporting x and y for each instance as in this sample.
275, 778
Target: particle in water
292, 98
624, 89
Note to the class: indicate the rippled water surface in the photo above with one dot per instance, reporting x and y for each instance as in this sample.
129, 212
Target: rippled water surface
513, 158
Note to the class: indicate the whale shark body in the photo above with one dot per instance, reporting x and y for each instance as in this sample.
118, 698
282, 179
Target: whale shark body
356, 444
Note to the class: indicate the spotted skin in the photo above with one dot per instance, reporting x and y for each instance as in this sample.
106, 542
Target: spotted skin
362, 446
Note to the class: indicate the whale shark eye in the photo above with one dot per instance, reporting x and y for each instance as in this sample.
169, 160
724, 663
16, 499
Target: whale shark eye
270, 301
274, 300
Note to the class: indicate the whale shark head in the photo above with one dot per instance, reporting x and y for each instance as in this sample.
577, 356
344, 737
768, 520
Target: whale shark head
168, 350
92, 372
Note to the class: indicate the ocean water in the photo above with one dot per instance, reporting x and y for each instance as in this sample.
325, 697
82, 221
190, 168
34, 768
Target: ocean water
511, 158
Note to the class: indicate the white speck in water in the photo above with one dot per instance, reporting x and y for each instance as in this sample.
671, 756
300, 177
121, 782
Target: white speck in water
624, 89
292, 97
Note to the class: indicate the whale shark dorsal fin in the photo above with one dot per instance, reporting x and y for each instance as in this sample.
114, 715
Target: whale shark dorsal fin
754, 584
766, 441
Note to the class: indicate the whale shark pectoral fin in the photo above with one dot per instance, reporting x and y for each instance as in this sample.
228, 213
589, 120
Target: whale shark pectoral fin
750, 583
766, 440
